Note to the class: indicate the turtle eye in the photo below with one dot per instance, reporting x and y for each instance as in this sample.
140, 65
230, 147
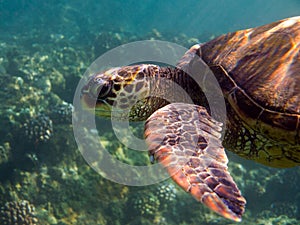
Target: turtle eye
100, 87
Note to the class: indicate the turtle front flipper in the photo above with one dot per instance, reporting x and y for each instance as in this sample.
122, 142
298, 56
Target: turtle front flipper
185, 139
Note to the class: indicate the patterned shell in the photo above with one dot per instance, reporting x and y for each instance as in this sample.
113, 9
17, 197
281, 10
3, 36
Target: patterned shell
259, 72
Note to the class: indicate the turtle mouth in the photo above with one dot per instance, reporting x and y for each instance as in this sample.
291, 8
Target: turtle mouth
91, 103
102, 108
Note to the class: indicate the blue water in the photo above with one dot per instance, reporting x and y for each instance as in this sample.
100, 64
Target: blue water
45, 48
192, 17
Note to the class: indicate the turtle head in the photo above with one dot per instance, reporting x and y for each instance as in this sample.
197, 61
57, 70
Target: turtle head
120, 92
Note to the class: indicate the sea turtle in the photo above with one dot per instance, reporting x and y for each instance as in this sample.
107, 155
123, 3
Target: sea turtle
258, 71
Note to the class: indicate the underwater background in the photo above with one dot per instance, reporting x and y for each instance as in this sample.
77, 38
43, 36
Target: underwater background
45, 48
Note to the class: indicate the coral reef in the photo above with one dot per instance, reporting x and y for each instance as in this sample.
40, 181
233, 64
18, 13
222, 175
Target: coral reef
154, 204
280, 220
38, 76
18, 213
146, 205
166, 193
38, 129
5, 153
62, 113
284, 208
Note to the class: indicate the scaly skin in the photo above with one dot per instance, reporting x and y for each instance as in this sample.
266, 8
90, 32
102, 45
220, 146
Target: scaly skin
257, 70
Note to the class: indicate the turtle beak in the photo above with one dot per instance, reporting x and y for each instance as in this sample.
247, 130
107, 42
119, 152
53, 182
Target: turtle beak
95, 90
91, 103
88, 103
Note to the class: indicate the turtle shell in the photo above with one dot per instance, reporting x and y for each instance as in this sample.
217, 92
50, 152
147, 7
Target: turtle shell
259, 72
